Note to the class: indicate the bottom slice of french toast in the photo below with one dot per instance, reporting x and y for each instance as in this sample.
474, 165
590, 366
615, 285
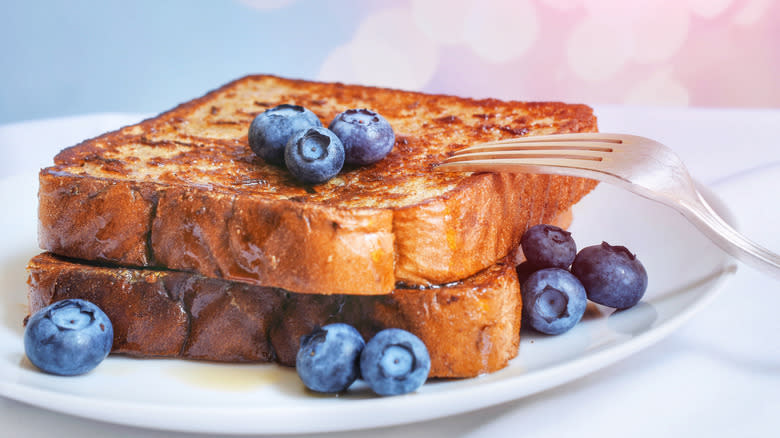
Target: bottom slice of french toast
470, 327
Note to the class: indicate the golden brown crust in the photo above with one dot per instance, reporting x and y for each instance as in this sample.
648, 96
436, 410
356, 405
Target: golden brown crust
252, 240
95, 218
470, 328
360, 233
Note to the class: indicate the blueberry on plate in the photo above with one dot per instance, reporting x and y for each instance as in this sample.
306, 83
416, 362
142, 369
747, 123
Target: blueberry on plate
547, 246
68, 338
367, 136
612, 275
327, 359
271, 129
395, 362
314, 155
553, 300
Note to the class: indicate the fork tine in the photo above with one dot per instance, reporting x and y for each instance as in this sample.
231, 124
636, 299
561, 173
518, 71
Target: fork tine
512, 145
532, 165
572, 137
587, 140
528, 154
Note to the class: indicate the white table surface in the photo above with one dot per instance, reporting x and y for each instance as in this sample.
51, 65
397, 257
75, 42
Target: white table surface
718, 375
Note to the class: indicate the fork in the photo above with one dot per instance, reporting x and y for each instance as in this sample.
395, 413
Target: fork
638, 164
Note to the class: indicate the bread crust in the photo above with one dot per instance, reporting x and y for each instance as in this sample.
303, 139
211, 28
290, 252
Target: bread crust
470, 327
232, 216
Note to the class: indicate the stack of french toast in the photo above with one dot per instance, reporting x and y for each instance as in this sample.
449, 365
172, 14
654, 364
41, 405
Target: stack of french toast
197, 248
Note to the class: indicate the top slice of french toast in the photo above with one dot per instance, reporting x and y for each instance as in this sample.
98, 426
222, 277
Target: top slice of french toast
183, 190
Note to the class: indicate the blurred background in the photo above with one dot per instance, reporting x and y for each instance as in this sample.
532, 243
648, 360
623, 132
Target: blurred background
145, 56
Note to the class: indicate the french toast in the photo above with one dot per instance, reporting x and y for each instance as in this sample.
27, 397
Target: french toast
184, 191
470, 327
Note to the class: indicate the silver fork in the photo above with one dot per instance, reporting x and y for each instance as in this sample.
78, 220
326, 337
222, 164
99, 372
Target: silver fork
635, 163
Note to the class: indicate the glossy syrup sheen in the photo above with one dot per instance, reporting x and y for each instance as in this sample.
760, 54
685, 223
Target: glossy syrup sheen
203, 143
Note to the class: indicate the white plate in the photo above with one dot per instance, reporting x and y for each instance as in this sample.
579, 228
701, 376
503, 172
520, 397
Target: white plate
685, 272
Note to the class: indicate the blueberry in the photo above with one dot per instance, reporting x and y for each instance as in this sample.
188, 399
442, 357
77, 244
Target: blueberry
612, 275
524, 270
271, 129
395, 362
547, 246
553, 300
314, 155
327, 359
68, 338
367, 136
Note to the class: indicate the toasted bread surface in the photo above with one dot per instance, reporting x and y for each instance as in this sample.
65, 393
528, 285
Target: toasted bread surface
184, 191
470, 327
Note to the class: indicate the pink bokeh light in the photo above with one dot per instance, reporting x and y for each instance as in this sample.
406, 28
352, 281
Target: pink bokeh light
647, 52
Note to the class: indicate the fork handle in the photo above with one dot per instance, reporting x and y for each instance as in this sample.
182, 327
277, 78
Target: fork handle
729, 239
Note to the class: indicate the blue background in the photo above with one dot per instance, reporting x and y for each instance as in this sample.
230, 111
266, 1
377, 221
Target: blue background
75, 57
